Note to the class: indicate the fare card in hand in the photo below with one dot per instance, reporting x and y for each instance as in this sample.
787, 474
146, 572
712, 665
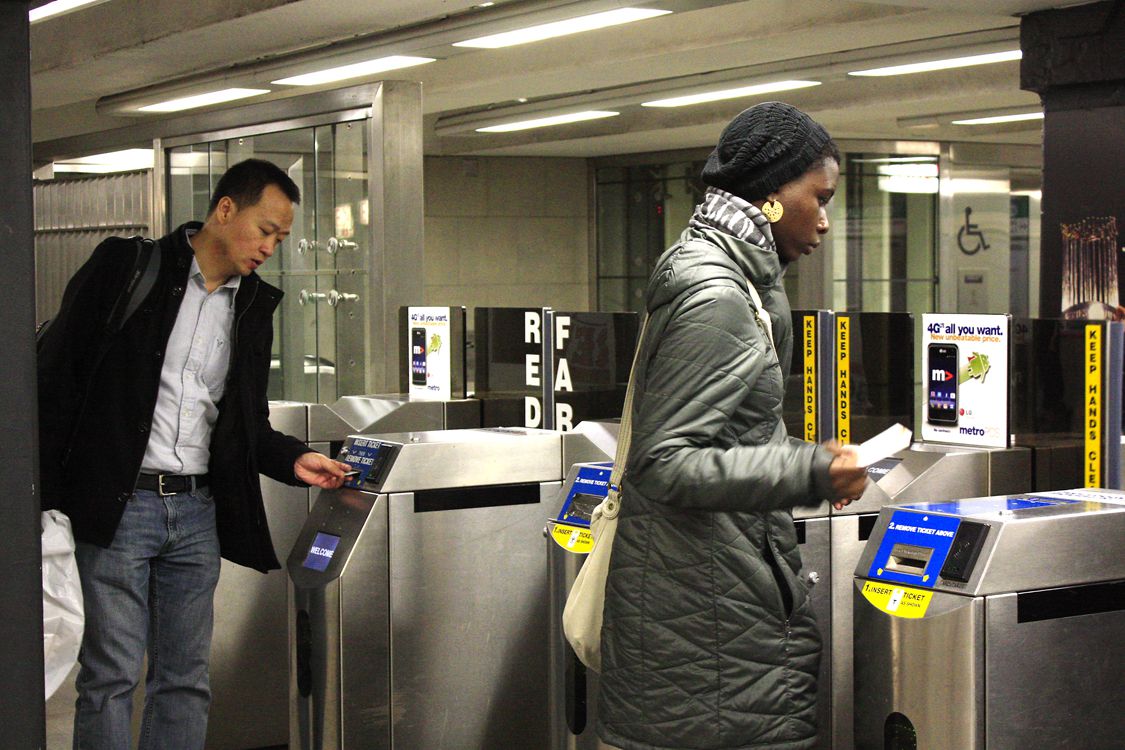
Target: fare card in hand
888, 442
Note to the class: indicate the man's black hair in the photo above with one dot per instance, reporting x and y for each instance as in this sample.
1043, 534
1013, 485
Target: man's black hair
244, 182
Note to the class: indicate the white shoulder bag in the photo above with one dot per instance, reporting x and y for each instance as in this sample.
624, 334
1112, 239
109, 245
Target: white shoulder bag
582, 615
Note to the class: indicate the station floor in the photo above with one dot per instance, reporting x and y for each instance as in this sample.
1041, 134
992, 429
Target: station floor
60, 714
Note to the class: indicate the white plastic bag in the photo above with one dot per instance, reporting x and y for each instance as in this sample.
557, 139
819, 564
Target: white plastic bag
63, 614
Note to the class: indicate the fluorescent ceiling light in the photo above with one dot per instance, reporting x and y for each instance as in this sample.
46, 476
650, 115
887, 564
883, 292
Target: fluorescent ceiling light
909, 170
543, 122
896, 160
959, 185
562, 28
1000, 118
355, 70
955, 62
57, 8
202, 100
907, 184
714, 96
129, 160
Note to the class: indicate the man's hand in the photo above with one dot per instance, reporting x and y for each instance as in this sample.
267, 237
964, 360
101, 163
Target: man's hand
319, 470
848, 478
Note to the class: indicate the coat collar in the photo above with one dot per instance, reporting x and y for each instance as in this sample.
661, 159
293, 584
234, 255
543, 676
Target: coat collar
252, 291
760, 265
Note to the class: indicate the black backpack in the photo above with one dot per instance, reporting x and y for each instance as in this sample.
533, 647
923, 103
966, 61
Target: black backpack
146, 267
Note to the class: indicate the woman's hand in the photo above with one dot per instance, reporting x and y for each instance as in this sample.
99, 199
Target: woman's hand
848, 478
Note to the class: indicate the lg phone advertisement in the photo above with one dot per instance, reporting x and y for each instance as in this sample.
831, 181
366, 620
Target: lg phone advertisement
429, 352
965, 379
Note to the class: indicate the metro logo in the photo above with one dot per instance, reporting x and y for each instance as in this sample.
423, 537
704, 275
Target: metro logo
941, 376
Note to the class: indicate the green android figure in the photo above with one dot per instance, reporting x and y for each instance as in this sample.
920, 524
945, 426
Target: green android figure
435, 344
976, 367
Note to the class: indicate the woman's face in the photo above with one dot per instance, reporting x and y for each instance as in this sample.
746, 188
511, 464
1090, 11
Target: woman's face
805, 217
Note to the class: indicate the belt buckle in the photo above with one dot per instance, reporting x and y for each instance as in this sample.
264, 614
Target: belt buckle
160, 486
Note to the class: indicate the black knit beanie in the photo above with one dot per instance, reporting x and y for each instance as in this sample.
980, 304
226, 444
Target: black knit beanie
763, 148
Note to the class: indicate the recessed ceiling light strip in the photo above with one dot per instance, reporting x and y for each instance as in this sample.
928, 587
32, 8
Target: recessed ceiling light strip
543, 122
953, 62
355, 70
562, 28
1000, 118
202, 100
735, 93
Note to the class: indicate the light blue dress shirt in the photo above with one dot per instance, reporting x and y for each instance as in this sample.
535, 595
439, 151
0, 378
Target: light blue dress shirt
193, 378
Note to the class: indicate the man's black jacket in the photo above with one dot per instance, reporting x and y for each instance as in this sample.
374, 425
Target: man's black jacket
97, 393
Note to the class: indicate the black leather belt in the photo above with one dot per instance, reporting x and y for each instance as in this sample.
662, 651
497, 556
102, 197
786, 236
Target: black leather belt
170, 484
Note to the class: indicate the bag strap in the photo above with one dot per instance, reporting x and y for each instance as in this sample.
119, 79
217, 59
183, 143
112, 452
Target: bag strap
146, 267
612, 503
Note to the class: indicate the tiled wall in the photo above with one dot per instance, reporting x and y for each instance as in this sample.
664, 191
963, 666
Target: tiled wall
507, 232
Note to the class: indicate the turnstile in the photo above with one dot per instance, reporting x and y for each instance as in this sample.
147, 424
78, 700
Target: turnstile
992, 623
573, 688
250, 646
420, 595
923, 472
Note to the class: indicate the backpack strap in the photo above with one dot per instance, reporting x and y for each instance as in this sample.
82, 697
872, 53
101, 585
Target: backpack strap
146, 267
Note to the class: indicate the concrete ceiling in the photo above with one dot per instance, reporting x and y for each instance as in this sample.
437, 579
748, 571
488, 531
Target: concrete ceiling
114, 50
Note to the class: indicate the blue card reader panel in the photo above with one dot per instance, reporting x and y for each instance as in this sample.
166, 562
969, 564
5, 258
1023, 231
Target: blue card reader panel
370, 458
914, 548
590, 487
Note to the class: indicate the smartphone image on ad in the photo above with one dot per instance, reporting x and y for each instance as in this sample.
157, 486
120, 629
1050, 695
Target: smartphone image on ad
418, 356
942, 384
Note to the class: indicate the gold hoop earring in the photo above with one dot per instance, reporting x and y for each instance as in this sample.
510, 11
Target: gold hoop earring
773, 210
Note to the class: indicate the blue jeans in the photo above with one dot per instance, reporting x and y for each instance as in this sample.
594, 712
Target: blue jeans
152, 588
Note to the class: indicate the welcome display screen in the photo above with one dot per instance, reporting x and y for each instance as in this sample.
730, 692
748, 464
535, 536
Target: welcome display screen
321, 551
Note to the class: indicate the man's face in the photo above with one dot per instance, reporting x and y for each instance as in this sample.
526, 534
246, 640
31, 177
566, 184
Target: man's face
805, 217
250, 235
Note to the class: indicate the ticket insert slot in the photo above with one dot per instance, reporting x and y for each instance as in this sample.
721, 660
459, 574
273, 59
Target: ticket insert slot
909, 559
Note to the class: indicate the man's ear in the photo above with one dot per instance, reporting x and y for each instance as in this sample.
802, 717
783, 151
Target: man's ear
224, 209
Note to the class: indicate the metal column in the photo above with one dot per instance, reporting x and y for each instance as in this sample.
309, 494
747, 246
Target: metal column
21, 630
395, 184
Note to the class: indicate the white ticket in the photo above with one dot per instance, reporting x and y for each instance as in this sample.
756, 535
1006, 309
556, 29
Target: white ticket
888, 442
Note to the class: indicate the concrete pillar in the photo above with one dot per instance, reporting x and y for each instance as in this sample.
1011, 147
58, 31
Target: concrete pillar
21, 625
1072, 58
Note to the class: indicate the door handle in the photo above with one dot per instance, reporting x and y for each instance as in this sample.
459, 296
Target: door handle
311, 298
335, 297
335, 245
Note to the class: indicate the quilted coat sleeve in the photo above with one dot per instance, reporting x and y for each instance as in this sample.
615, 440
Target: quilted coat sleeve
704, 432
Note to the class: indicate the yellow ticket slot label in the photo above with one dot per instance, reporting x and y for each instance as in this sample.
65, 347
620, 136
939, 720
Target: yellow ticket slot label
897, 601
576, 539
843, 380
809, 397
1093, 406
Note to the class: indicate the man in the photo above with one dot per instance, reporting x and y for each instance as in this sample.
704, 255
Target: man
151, 440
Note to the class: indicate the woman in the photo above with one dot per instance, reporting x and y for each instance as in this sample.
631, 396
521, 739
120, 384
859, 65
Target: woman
708, 638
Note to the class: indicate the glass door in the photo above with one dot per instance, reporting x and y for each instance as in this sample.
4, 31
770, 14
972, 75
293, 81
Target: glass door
319, 327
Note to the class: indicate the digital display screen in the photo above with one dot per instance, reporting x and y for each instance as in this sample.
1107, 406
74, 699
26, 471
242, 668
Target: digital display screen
321, 551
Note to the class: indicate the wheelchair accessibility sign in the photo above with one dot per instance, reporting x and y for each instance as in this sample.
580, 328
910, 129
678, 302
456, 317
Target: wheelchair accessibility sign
970, 238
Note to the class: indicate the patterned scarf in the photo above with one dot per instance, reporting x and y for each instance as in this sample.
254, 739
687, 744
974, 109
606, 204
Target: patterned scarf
734, 216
